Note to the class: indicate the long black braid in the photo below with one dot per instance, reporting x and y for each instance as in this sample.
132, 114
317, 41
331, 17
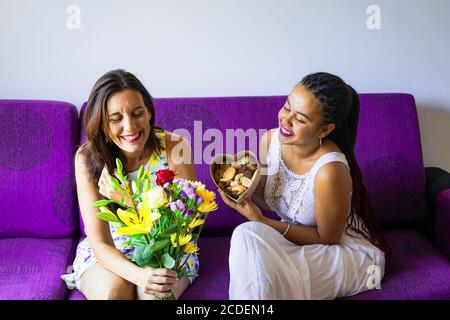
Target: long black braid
341, 107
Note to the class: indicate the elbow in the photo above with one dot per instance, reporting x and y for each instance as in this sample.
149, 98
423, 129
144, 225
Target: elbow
329, 240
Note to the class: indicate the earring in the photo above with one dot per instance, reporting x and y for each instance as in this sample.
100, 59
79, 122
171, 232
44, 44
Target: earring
320, 141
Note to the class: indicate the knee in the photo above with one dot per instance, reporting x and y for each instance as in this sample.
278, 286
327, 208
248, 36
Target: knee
117, 290
244, 229
245, 237
121, 290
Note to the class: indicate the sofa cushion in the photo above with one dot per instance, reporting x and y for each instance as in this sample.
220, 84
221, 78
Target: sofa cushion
76, 295
214, 273
389, 153
415, 271
36, 166
31, 268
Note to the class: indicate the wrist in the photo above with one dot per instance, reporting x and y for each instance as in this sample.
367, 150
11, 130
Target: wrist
261, 218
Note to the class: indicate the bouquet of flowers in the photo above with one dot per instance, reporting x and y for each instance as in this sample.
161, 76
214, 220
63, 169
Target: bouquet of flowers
164, 221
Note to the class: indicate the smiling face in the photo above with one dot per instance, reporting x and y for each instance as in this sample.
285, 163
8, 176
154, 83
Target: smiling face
128, 121
300, 120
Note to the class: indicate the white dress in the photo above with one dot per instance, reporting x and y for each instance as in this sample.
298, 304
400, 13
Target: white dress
265, 265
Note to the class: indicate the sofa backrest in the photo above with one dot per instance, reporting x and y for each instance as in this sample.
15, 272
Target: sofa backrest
37, 189
388, 147
389, 153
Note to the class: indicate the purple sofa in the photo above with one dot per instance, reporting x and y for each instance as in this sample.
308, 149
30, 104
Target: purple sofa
39, 229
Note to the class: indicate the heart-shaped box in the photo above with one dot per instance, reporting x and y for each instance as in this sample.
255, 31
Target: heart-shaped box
243, 162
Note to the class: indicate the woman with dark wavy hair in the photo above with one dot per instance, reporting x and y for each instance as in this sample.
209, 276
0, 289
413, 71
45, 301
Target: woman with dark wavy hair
328, 243
120, 123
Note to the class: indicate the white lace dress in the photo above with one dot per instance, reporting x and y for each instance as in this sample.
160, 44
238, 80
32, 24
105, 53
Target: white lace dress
265, 265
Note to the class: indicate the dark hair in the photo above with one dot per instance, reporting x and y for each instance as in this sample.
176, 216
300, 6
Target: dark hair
98, 150
341, 107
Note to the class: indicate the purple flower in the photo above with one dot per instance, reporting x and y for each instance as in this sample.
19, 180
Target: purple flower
190, 213
199, 200
180, 205
192, 196
183, 194
166, 185
173, 206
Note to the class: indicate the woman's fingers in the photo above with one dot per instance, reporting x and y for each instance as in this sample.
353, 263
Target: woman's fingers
164, 272
158, 294
159, 287
164, 280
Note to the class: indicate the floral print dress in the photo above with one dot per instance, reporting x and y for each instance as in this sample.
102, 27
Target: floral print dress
85, 257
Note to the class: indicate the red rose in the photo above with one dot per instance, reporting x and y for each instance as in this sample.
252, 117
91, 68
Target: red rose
163, 176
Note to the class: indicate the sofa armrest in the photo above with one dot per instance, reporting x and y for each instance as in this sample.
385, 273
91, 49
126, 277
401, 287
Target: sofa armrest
438, 196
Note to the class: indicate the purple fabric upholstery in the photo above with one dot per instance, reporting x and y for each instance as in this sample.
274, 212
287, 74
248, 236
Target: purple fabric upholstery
36, 166
213, 282
31, 268
76, 295
443, 223
416, 270
389, 154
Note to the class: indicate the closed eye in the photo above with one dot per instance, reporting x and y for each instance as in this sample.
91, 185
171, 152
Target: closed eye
297, 119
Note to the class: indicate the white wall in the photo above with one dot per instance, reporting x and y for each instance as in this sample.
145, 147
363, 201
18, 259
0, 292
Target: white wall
182, 48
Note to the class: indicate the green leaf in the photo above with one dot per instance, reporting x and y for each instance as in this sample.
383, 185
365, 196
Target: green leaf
154, 263
147, 254
137, 255
116, 183
169, 230
101, 203
167, 261
158, 245
119, 166
136, 240
140, 173
146, 186
108, 216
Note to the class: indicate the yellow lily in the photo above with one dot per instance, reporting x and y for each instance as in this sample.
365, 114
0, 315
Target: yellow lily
182, 239
190, 248
137, 224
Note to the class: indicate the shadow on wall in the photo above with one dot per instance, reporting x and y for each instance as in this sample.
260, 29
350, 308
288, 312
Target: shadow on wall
435, 135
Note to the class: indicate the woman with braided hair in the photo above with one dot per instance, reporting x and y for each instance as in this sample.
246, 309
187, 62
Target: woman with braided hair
327, 243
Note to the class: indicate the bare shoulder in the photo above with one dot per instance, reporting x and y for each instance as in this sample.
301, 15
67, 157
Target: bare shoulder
80, 159
333, 175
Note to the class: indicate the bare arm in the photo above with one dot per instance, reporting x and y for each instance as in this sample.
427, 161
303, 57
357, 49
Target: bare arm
332, 203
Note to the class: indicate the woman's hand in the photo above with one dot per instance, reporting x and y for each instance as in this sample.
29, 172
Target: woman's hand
106, 189
246, 208
157, 281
